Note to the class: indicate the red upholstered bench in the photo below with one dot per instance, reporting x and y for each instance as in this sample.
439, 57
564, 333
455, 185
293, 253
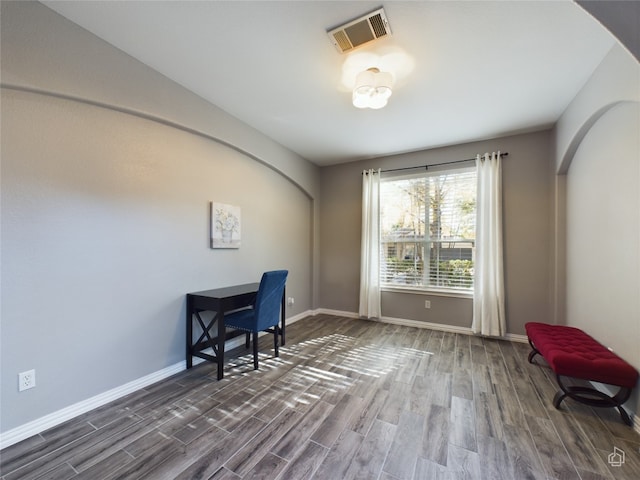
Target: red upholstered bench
572, 353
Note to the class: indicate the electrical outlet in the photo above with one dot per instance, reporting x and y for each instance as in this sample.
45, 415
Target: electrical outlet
290, 301
26, 380
427, 304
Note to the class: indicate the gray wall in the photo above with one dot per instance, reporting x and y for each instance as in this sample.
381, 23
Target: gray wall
108, 169
600, 171
527, 234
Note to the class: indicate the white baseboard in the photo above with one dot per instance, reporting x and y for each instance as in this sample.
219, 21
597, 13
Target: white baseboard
337, 313
41, 424
513, 337
429, 325
419, 324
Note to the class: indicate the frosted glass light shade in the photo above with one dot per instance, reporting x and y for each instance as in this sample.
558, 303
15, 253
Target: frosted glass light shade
372, 89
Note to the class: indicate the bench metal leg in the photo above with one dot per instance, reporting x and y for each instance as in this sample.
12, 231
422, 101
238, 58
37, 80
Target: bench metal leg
534, 351
593, 398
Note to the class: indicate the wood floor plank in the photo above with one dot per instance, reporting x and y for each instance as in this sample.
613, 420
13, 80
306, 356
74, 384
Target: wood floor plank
427, 362
511, 412
513, 359
194, 429
577, 443
420, 395
158, 452
159, 398
528, 396
553, 455
61, 472
397, 402
482, 381
367, 463
18, 450
103, 468
441, 384
82, 459
495, 464
462, 383
59, 452
434, 343
546, 390
426, 469
405, 448
479, 355
497, 367
421, 339
587, 475
224, 474
362, 421
256, 448
463, 352
201, 446
599, 436
407, 372
339, 457
106, 414
207, 464
288, 446
331, 427
143, 445
41, 453
447, 356
268, 468
525, 461
462, 427
487, 415
303, 466
435, 439
464, 464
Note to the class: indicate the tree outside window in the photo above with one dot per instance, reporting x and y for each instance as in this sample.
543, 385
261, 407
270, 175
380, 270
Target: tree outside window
428, 230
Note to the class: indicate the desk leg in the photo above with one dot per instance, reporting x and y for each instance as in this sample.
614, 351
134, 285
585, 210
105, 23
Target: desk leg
221, 339
189, 333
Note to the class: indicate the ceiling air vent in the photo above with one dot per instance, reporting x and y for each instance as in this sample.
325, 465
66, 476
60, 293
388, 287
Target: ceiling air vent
363, 30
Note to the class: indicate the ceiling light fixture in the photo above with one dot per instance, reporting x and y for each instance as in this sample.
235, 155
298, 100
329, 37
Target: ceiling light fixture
372, 89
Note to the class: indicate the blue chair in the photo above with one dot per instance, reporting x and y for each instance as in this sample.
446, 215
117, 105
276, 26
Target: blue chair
264, 315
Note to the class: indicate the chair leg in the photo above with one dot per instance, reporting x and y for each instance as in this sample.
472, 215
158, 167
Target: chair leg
255, 350
247, 340
275, 340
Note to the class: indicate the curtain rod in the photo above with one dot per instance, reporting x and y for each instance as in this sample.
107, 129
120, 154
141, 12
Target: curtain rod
426, 167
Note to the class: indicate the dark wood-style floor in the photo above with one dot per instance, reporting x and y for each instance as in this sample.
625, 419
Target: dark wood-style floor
346, 399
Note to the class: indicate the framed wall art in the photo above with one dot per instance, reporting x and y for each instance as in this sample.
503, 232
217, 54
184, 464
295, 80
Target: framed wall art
225, 226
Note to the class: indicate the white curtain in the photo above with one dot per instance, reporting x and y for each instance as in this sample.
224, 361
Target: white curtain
370, 245
488, 291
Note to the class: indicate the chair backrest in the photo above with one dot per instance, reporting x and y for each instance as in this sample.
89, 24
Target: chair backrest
269, 297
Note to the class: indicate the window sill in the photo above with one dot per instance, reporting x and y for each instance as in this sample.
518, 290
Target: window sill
429, 291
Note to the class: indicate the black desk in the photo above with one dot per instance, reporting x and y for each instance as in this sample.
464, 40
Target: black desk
219, 300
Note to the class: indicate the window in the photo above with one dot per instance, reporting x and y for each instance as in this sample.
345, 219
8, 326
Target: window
427, 224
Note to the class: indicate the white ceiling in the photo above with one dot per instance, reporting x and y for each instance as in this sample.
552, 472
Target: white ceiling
472, 70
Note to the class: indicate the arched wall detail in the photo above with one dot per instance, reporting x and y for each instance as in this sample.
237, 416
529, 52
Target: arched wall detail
582, 132
162, 121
